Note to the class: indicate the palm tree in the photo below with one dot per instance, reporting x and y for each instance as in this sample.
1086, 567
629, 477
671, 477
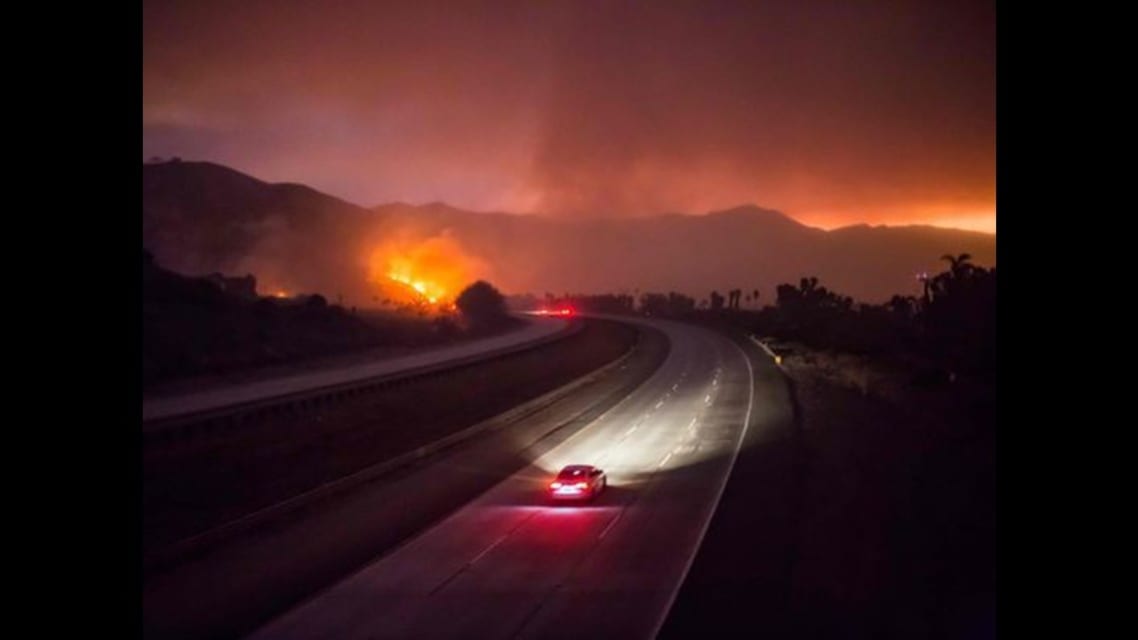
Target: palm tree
958, 265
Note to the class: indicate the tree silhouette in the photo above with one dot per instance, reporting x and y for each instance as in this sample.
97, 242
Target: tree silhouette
959, 265
481, 303
733, 298
950, 328
716, 301
903, 306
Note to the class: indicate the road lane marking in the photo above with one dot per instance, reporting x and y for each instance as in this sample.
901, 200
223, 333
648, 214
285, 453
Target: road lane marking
722, 487
488, 549
627, 399
470, 563
610, 525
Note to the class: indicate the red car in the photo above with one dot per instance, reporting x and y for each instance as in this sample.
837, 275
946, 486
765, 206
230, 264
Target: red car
578, 482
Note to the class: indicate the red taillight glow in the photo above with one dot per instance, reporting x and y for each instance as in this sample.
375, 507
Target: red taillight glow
553, 312
555, 485
582, 485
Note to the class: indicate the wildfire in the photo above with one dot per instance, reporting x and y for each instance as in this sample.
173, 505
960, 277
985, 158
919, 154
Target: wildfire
428, 290
432, 270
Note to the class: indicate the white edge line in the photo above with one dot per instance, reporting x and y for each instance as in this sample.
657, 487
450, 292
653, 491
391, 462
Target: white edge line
719, 496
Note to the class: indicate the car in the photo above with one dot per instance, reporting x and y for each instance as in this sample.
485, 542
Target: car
578, 482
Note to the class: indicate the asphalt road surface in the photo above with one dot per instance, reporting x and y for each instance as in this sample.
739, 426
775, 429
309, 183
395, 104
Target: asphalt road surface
182, 404
511, 565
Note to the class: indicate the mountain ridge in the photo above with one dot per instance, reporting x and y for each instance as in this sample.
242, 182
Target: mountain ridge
200, 217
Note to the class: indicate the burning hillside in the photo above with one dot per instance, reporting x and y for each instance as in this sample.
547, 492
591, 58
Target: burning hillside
428, 271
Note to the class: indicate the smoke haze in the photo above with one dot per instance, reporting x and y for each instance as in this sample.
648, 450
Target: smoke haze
836, 113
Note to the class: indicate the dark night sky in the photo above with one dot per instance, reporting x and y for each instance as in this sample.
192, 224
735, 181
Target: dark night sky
834, 112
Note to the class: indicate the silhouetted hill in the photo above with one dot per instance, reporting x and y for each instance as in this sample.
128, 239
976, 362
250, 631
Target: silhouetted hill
191, 326
200, 217
746, 247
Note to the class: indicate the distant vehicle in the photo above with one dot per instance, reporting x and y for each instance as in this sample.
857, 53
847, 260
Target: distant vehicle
560, 311
578, 482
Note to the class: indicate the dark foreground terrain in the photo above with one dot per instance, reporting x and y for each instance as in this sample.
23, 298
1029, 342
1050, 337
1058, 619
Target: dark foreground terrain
195, 331
873, 517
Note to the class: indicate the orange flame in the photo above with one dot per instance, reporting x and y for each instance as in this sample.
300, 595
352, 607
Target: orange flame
432, 270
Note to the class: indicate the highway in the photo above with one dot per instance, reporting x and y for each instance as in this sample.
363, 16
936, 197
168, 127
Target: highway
509, 564
189, 403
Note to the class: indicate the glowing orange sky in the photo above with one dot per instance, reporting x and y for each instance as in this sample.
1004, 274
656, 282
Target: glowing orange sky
836, 113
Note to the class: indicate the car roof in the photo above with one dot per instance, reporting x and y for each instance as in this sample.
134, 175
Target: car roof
576, 468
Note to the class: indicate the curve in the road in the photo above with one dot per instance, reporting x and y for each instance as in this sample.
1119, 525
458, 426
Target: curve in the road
509, 565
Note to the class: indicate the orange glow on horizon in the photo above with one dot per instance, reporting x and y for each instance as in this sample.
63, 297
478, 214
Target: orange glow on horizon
982, 221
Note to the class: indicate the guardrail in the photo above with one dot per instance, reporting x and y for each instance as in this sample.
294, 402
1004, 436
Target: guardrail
770, 352
229, 419
187, 546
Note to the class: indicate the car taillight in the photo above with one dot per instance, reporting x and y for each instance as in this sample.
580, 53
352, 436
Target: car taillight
555, 485
582, 485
